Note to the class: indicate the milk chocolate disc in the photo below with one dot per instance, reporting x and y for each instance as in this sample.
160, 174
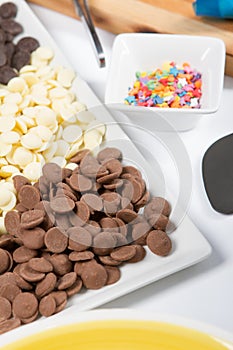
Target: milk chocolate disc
159, 242
47, 306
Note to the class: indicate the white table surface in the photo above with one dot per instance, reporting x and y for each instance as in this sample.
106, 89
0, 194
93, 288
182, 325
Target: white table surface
203, 292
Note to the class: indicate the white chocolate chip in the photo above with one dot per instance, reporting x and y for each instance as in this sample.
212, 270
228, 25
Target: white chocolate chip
92, 139
3, 92
7, 123
72, 133
71, 166
30, 78
40, 159
53, 83
96, 125
9, 156
7, 185
43, 132
33, 171
9, 109
50, 151
54, 127
44, 147
37, 61
68, 114
17, 84
10, 169
57, 92
21, 125
28, 121
39, 89
74, 148
5, 197
22, 156
9, 137
58, 104
3, 161
79, 106
28, 68
59, 132
62, 103
25, 103
44, 71
45, 116
11, 204
10, 186
59, 161
31, 141
65, 76
44, 53
14, 97
30, 112
4, 149
40, 100
85, 117
62, 148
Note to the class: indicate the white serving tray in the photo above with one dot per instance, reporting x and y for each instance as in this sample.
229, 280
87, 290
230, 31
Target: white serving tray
190, 247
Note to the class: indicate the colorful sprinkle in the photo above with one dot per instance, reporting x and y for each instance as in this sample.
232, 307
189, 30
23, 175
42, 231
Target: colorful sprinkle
168, 87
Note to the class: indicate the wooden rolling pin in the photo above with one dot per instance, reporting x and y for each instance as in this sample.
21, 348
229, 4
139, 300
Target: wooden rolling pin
169, 16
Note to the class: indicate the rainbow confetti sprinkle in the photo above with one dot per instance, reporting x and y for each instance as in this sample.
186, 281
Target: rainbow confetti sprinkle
168, 87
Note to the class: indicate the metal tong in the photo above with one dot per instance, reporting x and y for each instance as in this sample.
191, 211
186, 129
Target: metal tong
86, 19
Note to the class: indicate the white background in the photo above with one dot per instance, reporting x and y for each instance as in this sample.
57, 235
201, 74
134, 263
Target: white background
203, 292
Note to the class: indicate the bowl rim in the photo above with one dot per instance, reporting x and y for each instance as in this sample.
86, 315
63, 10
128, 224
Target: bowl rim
71, 317
170, 35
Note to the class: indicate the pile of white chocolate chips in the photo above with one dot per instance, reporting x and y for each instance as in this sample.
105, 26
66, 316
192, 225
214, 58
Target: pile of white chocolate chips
41, 121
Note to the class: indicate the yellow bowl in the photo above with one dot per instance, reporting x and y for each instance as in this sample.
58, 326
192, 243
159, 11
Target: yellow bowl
119, 335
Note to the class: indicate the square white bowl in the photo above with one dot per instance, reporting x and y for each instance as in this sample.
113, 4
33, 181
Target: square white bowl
145, 52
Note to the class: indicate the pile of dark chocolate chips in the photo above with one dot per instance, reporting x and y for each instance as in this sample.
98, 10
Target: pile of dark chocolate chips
13, 56
73, 230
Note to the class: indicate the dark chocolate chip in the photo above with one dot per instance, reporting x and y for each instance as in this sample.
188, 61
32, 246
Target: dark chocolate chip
6, 74
11, 26
8, 10
3, 58
28, 44
20, 58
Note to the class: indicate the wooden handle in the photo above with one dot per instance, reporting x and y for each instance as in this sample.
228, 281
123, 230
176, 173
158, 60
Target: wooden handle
64, 6
169, 16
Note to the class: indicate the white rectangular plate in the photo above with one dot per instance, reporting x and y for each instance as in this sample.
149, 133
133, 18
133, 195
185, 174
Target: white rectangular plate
190, 246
